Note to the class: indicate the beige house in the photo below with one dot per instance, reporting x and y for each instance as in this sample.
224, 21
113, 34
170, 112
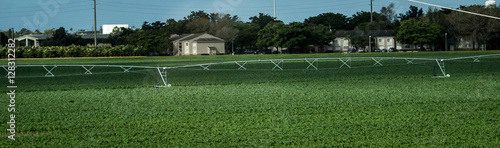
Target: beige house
381, 39
343, 42
197, 44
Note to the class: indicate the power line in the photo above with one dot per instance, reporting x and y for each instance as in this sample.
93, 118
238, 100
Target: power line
463, 11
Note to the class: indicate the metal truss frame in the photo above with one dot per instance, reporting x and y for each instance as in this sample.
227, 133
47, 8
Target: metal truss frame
278, 65
313, 64
378, 61
242, 66
347, 62
49, 72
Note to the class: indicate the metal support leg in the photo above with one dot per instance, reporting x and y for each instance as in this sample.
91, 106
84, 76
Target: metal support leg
311, 64
242, 66
442, 68
49, 72
277, 65
163, 78
377, 62
206, 67
347, 62
409, 61
88, 70
6, 71
126, 69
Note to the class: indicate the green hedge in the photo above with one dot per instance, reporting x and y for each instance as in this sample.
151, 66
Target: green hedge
74, 51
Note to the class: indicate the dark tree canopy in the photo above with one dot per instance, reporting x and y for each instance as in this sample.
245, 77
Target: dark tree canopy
196, 15
414, 12
262, 20
363, 17
416, 32
62, 38
334, 21
153, 26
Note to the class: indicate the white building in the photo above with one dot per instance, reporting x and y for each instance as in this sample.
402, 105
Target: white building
108, 28
490, 3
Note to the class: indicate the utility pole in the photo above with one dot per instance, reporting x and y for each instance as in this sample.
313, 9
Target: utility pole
445, 41
95, 25
371, 11
275, 9
12, 33
369, 44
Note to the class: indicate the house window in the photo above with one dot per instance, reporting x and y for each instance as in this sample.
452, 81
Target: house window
460, 45
407, 46
337, 41
187, 44
346, 47
389, 40
337, 48
180, 45
468, 46
380, 40
346, 41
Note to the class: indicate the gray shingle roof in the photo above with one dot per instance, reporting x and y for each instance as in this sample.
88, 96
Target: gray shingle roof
381, 33
189, 37
350, 32
179, 37
209, 40
192, 36
374, 33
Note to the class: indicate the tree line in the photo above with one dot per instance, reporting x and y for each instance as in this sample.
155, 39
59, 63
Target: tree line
262, 31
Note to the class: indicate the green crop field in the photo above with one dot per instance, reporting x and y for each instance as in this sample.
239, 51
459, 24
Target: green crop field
398, 104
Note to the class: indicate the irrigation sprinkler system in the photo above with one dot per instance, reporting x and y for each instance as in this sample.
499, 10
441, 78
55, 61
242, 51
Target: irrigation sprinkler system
278, 64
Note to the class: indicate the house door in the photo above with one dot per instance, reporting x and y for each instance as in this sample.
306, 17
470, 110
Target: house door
213, 50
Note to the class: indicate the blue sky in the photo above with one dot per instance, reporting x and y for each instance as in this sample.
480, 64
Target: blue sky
78, 14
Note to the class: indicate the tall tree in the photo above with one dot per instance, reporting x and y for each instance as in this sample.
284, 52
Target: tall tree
363, 17
321, 36
120, 37
335, 21
414, 12
479, 29
196, 15
359, 41
22, 32
295, 35
388, 12
62, 38
262, 20
199, 25
153, 26
154, 41
269, 36
415, 31
3, 39
176, 27
247, 36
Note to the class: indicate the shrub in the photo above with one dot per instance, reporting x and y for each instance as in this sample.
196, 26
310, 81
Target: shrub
75, 51
3, 52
